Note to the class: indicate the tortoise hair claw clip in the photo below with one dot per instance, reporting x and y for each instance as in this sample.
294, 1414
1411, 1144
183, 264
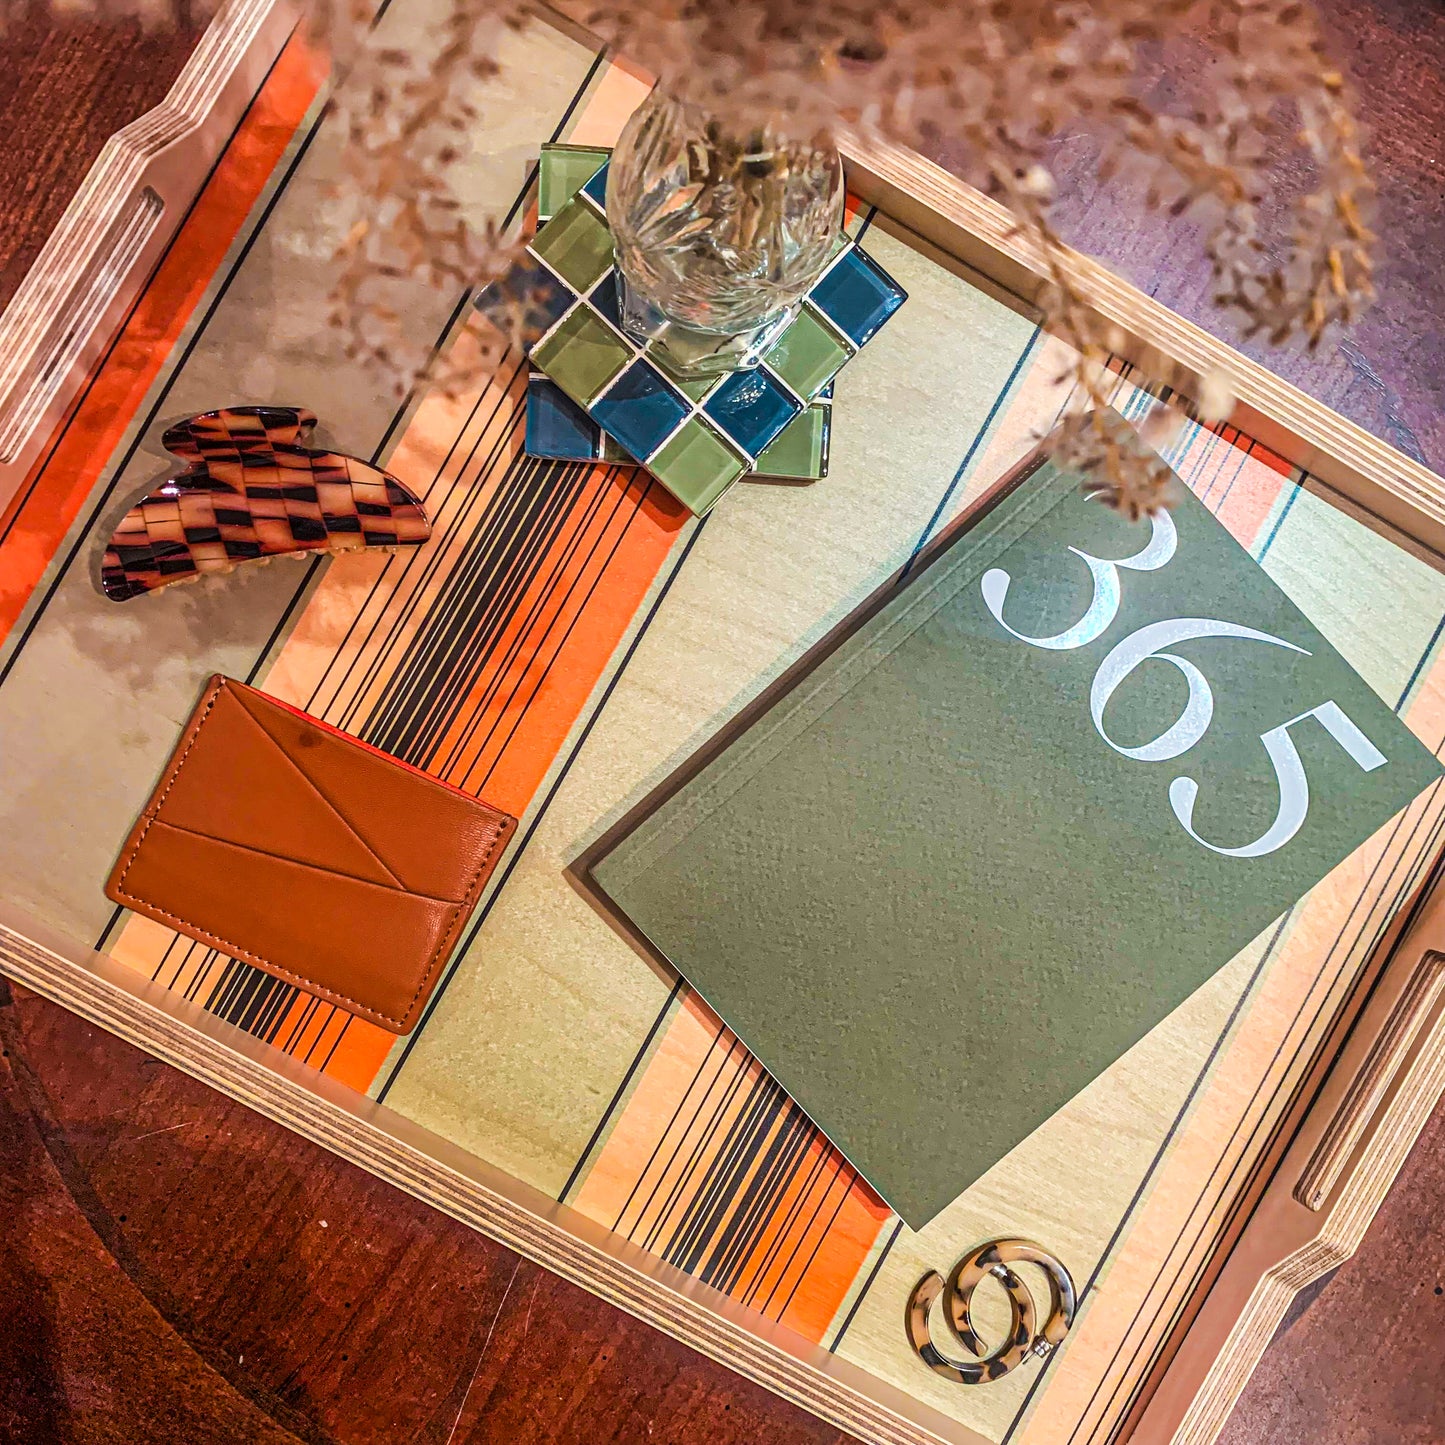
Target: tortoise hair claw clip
254, 490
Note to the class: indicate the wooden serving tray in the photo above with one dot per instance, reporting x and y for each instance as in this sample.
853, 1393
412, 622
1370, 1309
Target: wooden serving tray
567, 636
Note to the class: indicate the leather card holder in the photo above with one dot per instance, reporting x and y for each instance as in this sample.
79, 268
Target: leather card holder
288, 844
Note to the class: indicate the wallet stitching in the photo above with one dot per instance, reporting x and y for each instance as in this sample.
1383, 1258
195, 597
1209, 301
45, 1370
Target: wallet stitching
310, 986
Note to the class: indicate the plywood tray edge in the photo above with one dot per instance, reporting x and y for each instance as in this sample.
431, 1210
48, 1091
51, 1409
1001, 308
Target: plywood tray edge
112, 234
446, 1177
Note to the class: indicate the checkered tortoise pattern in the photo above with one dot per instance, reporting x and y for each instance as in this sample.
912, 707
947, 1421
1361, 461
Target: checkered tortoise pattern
254, 490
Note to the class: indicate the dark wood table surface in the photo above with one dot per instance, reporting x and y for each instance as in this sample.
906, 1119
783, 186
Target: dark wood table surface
176, 1270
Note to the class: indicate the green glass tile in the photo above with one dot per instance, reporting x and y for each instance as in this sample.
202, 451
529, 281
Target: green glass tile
582, 355
562, 172
697, 466
800, 450
807, 355
576, 245
694, 388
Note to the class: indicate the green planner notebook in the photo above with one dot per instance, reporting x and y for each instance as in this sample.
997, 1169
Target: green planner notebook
1005, 819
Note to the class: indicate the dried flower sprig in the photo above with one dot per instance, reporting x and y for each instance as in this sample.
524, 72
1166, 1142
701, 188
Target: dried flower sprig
994, 81
396, 217
1001, 79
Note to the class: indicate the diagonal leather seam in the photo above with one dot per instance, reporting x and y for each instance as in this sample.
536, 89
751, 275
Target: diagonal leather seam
400, 889
315, 788
309, 985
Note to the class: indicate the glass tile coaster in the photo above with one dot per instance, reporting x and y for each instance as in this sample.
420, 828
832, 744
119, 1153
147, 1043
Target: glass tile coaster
557, 429
560, 430
696, 437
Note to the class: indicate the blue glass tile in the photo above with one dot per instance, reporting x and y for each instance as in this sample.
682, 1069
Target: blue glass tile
641, 410
751, 408
857, 296
528, 290
557, 426
597, 188
605, 298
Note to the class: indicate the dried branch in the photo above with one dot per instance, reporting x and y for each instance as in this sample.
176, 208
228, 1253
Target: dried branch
999, 79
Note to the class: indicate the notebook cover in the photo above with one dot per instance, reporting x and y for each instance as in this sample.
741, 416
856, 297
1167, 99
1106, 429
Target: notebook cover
933, 896
286, 843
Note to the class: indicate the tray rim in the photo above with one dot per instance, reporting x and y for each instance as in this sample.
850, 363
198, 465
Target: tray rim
163, 157
1371, 479
1390, 1032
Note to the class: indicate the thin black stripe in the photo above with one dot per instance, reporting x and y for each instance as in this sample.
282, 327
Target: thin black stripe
677, 1194
524, 637
116, 915
818, 1243
681, 1104
747, 1216
175, 939
561, 777
298, 1029
968, 456
622, 1088
203, 970
708, 1210
431, 557
320, 1034
478, 602
788, 1229
800, 1235
692, 1161
284, 620
346, 1023
450, 664
867, 1285
578, 613
742, 1140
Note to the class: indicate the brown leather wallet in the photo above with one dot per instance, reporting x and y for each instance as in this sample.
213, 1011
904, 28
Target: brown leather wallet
290, 845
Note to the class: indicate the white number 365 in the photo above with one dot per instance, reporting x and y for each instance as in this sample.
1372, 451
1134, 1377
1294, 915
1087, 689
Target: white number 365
1148, 643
